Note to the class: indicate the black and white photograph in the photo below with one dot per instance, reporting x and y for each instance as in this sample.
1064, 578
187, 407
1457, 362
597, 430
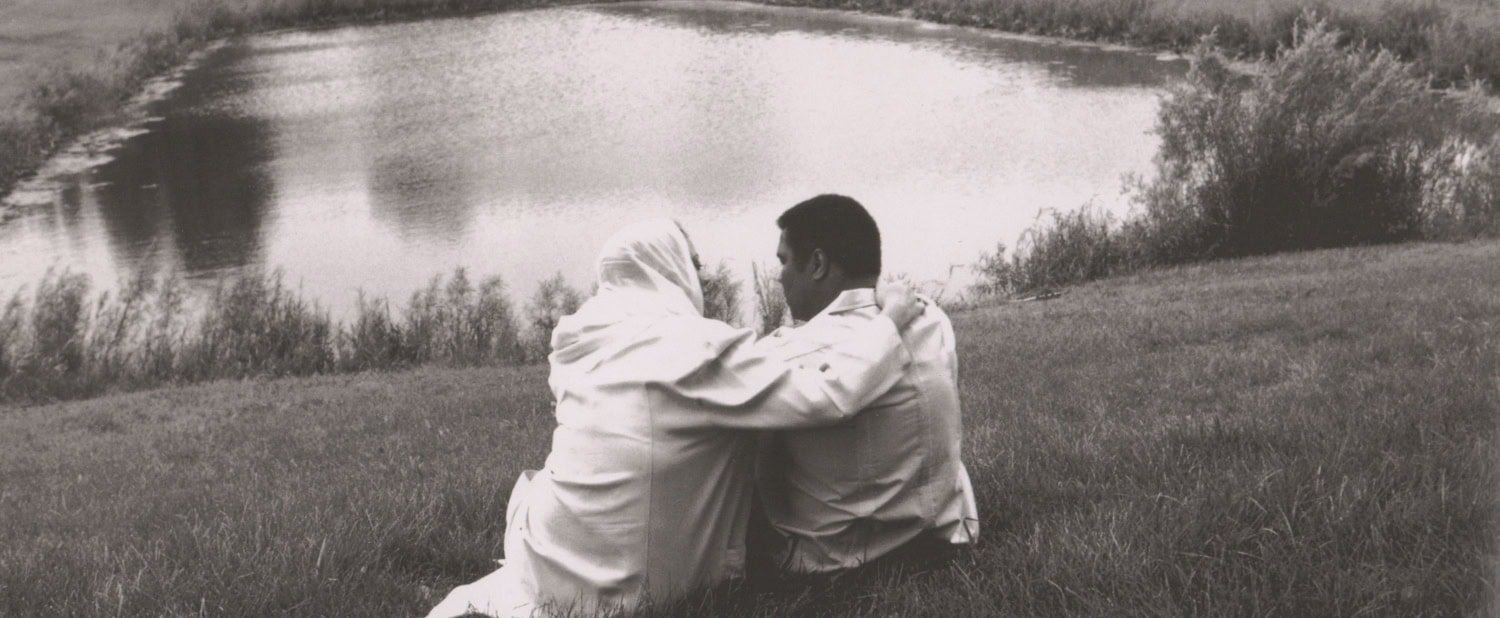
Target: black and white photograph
750, 308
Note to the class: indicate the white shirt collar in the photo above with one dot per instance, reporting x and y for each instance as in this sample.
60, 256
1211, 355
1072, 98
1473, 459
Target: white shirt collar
849, 300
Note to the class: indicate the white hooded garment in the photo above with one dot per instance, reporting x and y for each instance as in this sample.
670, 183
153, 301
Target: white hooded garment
646, 492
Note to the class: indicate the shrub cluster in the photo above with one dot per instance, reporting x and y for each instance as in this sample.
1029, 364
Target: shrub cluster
721, 295
554, 299
1326, 146
1067, 247
63, 342
451, 323
770, 300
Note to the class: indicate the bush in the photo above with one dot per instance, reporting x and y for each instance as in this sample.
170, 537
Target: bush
11, 337
255, 326
460, 325
554, 299
374, 341
134, 335
58, 325
770, 300
160, 345
721, 295
65, 343
1328, 147
1462, 51
1461, 190
43, 345
1074, 246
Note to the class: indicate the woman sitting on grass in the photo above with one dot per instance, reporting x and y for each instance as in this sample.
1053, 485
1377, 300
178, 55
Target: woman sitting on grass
646, 492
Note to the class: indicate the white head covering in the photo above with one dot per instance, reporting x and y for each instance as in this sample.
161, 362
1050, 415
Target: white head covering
652, 259
646, 275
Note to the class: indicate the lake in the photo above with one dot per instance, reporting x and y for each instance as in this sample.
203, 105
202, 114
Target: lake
372, 158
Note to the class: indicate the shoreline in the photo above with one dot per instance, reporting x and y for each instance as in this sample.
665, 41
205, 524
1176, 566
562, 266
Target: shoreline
1184, 216
87, 150
64, 103
70, 102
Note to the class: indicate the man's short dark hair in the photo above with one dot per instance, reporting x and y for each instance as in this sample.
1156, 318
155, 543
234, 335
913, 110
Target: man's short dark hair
839, 226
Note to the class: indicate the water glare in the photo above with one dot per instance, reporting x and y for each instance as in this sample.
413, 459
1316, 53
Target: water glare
375, 157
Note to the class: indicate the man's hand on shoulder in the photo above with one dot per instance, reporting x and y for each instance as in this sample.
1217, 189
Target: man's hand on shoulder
899, 303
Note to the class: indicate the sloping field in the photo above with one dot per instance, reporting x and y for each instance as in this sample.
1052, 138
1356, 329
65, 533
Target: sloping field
1308, 434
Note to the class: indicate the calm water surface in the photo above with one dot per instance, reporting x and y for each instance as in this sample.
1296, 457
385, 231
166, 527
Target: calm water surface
372, 158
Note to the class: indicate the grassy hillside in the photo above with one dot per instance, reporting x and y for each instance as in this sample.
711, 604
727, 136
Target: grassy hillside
1306, 434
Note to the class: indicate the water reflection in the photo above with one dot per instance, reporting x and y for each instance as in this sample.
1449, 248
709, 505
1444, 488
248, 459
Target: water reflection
179, 182
423, 189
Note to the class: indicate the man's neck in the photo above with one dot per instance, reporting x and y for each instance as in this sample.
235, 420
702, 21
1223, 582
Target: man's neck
841, 286
849, 285
858, 284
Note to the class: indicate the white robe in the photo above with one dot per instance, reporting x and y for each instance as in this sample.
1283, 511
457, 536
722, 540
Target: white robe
646, 492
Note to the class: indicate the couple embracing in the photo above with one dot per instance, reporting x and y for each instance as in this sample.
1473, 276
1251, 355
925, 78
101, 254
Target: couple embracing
830, 445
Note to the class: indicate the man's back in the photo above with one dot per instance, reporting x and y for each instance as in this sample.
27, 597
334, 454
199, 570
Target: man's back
848, 494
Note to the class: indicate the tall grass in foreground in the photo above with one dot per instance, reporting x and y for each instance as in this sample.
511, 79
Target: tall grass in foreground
1308, 434
1324, 147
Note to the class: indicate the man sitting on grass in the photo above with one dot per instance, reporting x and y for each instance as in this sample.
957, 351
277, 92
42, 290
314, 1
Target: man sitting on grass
645, 495
888, 485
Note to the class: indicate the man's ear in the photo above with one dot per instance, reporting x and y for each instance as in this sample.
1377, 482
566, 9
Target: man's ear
821, 267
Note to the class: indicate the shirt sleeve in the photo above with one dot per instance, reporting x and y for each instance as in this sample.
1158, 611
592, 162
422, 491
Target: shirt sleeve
749, 387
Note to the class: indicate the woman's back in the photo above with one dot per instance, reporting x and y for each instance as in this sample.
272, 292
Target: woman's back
631, 500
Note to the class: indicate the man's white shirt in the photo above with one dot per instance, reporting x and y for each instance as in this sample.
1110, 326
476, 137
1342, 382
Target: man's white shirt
848, 494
